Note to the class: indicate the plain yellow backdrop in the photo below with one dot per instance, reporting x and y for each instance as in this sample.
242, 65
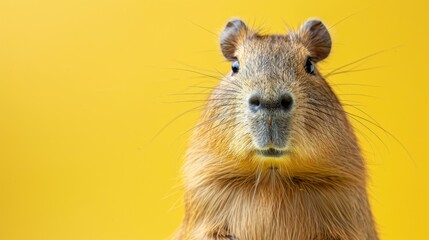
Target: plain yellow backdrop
85, 86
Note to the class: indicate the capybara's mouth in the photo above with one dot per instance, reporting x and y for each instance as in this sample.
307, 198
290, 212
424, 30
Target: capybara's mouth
271, 152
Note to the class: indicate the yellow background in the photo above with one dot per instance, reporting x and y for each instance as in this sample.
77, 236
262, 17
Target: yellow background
85, 85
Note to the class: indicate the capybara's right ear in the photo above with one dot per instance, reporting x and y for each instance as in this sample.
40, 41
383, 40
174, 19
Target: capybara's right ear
232, 36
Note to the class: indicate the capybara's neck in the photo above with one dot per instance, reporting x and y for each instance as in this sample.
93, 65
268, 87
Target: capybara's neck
277, 206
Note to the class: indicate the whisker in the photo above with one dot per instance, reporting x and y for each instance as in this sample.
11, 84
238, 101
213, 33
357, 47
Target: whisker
357, 117
342, 20
222, 123
341, 110
355, 94
209, 76
369, 129
198, 68
355, 70
213, 88
205, 123
353, 84
187, 94
201, 100
203, 28
360, 110
388, 133
174, 119
359, 60
196, 72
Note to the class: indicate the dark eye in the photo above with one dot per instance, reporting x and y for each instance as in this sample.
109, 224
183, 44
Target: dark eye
309, 67
235, 66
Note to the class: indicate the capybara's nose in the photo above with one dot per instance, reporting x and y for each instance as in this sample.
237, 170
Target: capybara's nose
283, 102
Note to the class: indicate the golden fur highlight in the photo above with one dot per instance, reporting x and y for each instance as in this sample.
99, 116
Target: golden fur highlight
318, 191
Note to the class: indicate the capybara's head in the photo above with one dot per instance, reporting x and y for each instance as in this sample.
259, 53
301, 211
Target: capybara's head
275, 106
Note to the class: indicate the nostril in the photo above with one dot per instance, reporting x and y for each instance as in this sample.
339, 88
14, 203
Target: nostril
286, 101
254, 102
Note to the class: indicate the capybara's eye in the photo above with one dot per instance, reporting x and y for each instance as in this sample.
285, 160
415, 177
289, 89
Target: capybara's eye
235, 66
309, 66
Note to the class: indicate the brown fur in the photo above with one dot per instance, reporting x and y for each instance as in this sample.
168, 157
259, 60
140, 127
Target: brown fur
318, 191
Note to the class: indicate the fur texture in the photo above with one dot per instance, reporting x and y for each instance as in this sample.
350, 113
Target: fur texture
316, 191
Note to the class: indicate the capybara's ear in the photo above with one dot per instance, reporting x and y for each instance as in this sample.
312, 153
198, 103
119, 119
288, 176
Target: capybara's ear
232, 37
315, 37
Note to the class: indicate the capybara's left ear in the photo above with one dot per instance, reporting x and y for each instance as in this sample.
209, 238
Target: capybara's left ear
315, 37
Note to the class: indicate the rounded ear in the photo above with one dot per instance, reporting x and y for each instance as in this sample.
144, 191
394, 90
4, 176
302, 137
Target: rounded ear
232, 36
316, 38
